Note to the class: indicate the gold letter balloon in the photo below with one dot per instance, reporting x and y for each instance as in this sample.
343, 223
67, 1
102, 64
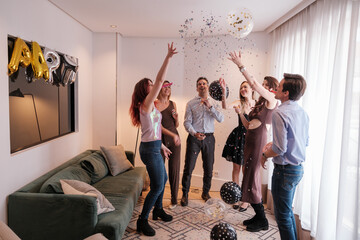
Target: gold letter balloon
38, 62
20, 55
240, 23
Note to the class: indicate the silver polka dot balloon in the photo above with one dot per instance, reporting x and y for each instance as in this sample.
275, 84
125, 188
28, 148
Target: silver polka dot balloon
223, 231
230, 192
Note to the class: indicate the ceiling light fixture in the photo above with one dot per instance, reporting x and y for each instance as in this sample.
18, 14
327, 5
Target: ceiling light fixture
113, 26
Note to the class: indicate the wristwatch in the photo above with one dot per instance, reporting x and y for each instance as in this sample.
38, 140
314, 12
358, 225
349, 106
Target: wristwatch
242, 68
263, 154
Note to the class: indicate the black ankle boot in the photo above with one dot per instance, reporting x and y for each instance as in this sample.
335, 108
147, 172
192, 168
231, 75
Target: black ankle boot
159, 212
142, 226
253, 219
250, 221
258, 225
259, 222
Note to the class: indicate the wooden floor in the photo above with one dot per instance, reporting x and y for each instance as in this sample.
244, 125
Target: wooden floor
194, 193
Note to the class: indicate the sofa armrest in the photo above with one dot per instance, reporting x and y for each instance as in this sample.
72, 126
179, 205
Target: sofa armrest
130, 156
52, 216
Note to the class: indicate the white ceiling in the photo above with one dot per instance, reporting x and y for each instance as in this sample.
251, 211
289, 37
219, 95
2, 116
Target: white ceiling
163, 18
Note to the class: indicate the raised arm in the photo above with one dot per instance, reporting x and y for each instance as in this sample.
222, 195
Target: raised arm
223, 96
236, 58
150, 98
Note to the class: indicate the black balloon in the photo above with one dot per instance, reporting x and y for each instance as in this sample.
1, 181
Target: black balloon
223, 231
215, 90
230, 192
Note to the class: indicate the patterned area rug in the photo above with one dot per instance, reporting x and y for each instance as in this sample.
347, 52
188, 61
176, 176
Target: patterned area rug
191, 222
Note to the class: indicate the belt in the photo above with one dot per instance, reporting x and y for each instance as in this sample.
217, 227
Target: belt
285, 166
208, 134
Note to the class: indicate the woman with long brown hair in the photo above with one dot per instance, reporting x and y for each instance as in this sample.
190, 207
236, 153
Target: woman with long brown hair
143, 113
255, 140
234, 147
170, 137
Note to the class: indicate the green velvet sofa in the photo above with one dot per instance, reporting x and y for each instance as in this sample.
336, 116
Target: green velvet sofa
33, 214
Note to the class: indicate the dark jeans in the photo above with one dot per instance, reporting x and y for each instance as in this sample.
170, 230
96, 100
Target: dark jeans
150, 153
284, 182
193, 148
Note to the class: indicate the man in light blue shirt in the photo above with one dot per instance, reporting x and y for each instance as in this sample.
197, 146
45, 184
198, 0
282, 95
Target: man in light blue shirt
290, 137
199, 120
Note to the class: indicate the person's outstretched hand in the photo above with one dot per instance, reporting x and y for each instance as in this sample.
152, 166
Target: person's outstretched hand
171, 50
235, 58
222, 84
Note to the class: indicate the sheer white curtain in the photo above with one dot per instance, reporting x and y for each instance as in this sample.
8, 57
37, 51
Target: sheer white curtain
322, 43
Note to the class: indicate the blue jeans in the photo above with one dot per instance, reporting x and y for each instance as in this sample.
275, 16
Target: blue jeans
284, 182
150, 154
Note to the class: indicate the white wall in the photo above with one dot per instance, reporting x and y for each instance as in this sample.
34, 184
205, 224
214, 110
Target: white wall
142, 57
40, 21
104, 85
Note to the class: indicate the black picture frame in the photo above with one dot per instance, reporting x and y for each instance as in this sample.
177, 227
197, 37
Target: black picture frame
39, 111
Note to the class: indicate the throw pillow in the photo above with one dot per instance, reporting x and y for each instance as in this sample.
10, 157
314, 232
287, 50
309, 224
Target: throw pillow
116, 159
95, 165
75, 172
7, 233
81, 188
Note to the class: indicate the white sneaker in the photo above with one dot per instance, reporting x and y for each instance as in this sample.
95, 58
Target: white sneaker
172, 206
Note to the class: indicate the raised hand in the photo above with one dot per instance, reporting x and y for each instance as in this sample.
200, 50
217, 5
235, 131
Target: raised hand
171, 50
235, 58
222, 84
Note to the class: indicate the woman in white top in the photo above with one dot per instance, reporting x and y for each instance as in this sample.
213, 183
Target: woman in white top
143, 113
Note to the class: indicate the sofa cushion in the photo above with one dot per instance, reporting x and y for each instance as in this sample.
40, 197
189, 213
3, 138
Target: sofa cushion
75, 172
116, 159
95, 165
81, 188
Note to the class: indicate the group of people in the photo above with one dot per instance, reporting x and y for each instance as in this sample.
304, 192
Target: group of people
153, 111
